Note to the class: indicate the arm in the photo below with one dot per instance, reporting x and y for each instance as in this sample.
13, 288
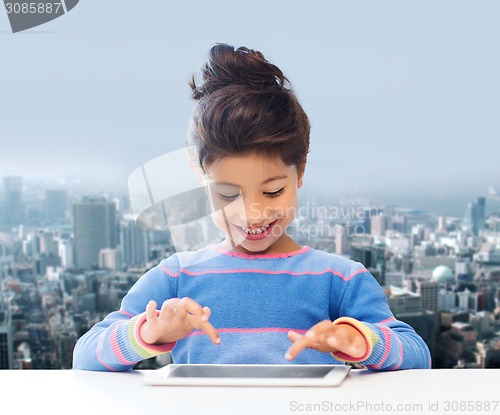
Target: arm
390, 344
367, 332
114, 344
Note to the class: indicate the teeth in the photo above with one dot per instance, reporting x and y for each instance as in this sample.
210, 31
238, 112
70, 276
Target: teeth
255, 231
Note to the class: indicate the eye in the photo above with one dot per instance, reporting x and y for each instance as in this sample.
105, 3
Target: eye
274, 194
226, 197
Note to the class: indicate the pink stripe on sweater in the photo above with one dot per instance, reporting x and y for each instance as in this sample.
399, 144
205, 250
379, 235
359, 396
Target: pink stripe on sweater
126, 313
254, 330
116, 347
359, 271
166, 270
386, 320
387, 346
401, 354
263, 271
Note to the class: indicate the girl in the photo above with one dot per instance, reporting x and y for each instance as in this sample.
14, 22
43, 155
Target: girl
256, 297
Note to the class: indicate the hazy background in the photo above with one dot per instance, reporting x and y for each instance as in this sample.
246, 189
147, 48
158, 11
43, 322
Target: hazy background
404, 97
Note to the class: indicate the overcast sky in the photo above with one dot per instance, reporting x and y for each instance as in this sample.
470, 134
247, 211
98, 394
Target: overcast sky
401, 94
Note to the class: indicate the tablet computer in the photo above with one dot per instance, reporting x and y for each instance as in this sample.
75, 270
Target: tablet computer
248, 375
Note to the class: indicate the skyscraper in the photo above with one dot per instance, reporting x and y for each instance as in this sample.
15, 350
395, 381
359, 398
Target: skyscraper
134, 243
342, 240
475, 215
12, 200
373, 258
94, 225
479, 215
110, 259
56, 202
66, 253
426, 288
6, 346
378, 225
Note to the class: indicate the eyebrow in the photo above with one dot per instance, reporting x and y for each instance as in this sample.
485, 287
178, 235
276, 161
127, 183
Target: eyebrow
270, 179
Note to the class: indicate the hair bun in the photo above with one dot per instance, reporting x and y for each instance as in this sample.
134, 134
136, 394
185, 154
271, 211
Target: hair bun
227, 66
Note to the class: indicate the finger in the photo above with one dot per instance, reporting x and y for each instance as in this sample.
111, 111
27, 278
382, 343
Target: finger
167, 310
207, 312
180, 312
151, 310
206, 327
320, 333
170, 304
298, 345
322, 328
192, 307
293, 336
310, 339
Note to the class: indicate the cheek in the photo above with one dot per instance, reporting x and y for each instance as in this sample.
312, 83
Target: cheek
229, 209
217, 217
290, 206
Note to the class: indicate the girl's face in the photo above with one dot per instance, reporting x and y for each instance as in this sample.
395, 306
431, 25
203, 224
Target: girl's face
254, 200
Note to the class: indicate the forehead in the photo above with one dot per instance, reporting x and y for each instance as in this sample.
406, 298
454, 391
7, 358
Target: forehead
248, 169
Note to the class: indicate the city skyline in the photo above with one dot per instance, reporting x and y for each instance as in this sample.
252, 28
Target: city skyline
440, 275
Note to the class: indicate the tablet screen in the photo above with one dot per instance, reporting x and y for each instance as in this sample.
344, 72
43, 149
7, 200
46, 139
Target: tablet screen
249, 371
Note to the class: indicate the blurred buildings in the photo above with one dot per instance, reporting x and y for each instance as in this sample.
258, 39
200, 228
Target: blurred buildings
441, 275
67, 259
95, 228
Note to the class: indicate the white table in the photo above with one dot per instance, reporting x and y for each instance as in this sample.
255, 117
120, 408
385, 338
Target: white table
96, 393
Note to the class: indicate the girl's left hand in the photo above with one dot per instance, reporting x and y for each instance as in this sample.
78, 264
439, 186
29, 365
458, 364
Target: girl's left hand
328, 337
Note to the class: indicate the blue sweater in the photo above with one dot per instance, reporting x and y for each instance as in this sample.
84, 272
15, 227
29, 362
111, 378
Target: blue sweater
255, 300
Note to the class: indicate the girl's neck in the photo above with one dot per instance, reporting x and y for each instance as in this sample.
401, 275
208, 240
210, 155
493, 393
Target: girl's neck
282, 246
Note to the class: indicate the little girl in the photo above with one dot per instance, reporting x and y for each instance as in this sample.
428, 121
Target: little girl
256, 297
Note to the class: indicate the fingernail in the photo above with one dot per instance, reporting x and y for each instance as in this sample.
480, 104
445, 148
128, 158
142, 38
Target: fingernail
288, 356
218, 340
204, 317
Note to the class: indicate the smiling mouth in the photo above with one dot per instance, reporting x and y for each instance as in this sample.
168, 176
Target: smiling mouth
256, 231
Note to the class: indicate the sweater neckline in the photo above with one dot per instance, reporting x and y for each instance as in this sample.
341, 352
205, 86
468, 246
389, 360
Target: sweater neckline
217, 248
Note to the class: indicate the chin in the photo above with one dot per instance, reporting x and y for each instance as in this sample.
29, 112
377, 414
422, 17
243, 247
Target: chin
253, 248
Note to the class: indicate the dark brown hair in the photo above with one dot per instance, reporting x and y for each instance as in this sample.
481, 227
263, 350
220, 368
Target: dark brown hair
244, 106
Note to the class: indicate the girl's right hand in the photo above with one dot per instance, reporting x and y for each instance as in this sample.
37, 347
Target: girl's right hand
176, 319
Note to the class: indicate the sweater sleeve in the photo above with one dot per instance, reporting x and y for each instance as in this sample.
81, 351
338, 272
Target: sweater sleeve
390, 344
114, 344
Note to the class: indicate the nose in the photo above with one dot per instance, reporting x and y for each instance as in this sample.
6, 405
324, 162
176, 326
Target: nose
255, 213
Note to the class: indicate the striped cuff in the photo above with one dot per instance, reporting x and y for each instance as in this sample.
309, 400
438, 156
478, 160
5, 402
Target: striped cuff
370, 337
142, 348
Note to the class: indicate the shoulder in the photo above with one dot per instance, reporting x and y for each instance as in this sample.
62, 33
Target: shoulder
337, 264
187, 259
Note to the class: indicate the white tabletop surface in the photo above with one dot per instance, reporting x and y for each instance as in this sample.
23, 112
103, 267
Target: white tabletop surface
438, 391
